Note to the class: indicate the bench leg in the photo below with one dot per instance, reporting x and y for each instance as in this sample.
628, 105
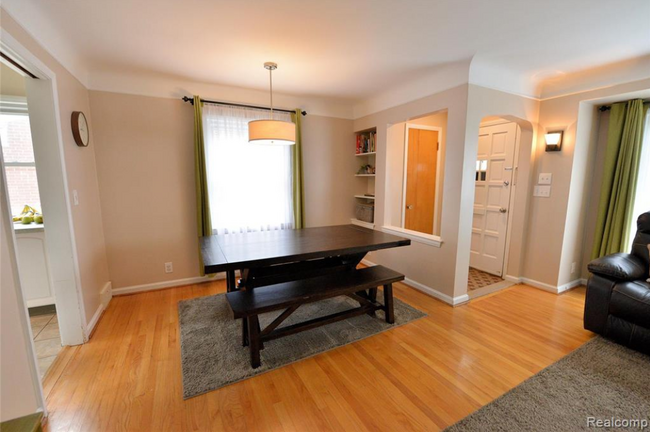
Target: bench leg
388, 303
254, 339
372, 296
244, 332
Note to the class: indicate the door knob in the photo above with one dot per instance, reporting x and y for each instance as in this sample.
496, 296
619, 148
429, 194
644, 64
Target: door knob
502, 210
506, 183
409, 207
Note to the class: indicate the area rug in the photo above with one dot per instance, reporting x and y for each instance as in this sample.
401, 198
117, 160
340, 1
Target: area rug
601, 385
212, 355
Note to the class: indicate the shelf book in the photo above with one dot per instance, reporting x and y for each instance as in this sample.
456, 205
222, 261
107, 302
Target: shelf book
366, 142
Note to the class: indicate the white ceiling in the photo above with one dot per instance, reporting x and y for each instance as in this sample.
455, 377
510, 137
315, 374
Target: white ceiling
348, 49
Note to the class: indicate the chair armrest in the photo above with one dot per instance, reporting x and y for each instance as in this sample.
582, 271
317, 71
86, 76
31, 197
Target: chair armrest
620, 266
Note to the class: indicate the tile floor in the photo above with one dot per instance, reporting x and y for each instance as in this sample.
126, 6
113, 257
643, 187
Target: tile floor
47, 340
479, 279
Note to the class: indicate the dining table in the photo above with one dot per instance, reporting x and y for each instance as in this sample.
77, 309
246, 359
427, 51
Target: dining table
270, 257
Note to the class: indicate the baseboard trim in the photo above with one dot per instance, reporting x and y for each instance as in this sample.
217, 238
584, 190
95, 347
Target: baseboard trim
453, 301
552, 288
94, 320
570, 285
167, 284
106, 294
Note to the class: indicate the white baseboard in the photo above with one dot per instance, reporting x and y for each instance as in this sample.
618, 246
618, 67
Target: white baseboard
552, 288
94, 320
515, 279
167, 284
454, 301
570, 285
106, 294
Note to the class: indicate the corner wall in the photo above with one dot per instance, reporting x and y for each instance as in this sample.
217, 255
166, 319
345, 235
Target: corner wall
145, 164
424, 264
81, 173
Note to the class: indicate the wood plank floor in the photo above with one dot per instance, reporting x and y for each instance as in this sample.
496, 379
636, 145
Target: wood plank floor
422, 376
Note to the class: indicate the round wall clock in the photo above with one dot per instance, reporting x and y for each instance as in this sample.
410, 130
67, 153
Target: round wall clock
80, 130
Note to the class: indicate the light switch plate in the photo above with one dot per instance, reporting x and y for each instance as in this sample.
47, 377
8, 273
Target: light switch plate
542, 191
545, 178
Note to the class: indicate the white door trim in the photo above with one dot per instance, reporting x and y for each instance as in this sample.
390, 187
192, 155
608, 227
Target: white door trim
436, 209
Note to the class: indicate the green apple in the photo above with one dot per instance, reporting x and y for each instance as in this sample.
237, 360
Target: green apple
26, 220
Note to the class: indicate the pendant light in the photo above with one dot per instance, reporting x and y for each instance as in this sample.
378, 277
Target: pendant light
271, 132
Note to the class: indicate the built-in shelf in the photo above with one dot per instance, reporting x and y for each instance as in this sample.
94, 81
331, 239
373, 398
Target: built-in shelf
364, 205
362, 223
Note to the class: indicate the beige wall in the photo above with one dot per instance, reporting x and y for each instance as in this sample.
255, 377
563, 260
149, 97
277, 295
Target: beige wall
81, 173
145, 161
328, 165
11, 83
558, 222
425, 264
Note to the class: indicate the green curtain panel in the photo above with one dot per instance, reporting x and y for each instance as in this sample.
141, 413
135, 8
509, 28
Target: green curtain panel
297, 175
203, 221
624, 140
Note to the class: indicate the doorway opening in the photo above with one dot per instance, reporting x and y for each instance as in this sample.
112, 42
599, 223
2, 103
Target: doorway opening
494, 189
28, 219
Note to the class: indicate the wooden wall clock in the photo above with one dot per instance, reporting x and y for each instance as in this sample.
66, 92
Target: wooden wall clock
80, 130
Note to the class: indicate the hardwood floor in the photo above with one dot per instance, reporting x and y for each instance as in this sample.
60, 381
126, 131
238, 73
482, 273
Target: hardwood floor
422, 376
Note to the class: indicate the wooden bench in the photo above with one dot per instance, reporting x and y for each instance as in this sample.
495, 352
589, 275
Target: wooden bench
361, 285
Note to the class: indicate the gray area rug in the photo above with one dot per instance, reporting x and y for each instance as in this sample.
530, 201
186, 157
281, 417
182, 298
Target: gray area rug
600, 380
212, 355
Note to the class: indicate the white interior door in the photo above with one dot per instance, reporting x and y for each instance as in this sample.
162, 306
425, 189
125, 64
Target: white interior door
494, 175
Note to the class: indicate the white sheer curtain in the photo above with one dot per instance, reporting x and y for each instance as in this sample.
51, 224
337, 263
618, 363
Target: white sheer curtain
249, 184
642, 197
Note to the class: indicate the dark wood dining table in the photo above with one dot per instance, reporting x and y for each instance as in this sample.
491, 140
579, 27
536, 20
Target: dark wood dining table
270, 257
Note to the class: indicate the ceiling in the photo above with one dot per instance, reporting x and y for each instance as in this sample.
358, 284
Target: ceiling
348, 49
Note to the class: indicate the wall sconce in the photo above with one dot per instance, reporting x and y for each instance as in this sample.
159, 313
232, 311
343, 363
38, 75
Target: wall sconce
554, 141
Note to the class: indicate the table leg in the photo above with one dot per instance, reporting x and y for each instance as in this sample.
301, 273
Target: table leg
231, 283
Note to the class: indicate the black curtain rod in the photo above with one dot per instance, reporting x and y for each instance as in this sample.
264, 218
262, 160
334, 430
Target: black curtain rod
191, 100
605, 108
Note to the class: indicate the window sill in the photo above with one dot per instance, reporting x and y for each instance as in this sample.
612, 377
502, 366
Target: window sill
427, 239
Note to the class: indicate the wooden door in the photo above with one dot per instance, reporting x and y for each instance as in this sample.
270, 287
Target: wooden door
421, 166
494, 175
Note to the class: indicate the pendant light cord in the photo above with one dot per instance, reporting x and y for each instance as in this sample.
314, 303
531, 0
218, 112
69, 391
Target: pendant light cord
271, 86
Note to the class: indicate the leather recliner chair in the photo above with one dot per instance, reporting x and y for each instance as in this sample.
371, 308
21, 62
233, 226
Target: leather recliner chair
617, 305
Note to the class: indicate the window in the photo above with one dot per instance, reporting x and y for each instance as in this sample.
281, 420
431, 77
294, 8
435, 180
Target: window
250, 185
20, 167
481, 169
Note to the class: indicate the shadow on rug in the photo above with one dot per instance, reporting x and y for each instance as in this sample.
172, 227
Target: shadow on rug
212, 355
599, 381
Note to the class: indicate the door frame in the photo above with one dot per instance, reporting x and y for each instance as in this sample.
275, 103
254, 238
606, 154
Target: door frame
512, 192
436, 209
67, 292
